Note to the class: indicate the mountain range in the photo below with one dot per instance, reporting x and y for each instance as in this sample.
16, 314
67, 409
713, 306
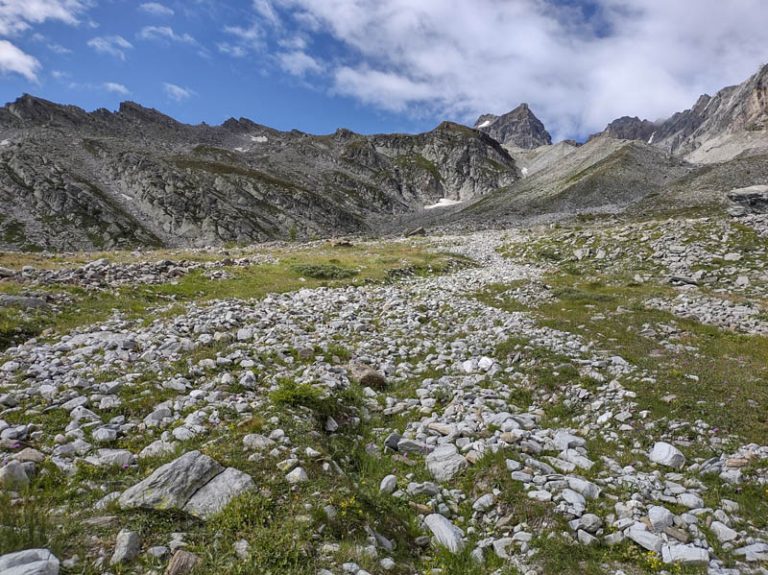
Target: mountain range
71, 179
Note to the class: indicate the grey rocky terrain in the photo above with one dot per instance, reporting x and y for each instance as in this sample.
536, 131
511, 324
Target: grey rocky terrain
579, 399
73, 180
76, 180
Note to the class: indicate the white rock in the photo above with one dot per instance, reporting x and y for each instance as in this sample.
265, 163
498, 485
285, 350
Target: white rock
445, 533
484, 502
218, 492
667, 455
723, 533
660, 517
445, 462
540, 495
29, 562
685, 554
388, 484
13, 476
644, 538
127, 546
296, 476
584, 487
257, 442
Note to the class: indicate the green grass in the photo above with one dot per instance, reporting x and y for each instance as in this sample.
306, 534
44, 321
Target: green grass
296, 269
325, 271
495, 295
730, 393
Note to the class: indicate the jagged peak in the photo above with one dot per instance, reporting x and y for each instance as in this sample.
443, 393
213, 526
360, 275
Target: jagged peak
130, 109
31, 108
519, 127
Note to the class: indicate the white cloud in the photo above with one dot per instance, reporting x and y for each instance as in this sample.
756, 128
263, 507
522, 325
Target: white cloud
299, 63
165, 33
156, 9
177, 93
245, 40
112, 45
15, 61
18, 15
460, 59
267, 12
234, 50
116, 88
254, 33
58, 49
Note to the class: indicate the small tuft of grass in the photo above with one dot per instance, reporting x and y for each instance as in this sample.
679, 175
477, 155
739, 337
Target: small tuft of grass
325, 271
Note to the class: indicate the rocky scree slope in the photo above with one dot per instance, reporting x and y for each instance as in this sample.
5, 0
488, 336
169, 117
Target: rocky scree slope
540, 413
76, 180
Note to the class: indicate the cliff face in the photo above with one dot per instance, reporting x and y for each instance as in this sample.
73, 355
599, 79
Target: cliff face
731, 118
70, 179
519, 128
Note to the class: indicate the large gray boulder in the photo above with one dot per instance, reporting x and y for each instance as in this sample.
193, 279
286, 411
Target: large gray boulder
214, 496
29, 562
193, 483
752, 199
173, 484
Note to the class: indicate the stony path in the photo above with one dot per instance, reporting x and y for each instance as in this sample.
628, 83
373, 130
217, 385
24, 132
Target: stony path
449, 412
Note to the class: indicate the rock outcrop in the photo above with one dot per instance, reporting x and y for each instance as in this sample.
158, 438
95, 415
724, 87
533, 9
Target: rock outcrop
519, 128
70, 179
716, 128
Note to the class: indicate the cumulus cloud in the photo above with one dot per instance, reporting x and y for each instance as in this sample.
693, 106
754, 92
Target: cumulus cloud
577, 67
15, 61
299, 63
177, 93
245, 40
112, 45
116, 88
18, 15
156, 9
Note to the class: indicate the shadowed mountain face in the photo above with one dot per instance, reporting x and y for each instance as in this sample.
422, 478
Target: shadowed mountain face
70, 179
519, 128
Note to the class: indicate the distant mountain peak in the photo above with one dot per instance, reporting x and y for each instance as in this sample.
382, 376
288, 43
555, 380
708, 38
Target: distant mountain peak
734, 112
520, 128
138, 112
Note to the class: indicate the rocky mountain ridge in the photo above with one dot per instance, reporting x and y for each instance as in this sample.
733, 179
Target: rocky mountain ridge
70, 179
712, 121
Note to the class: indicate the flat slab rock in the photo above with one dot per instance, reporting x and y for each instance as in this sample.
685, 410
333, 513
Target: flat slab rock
29, 562
685, 554
193, 483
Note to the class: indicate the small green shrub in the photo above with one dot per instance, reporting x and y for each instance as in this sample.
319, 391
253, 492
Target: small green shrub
324, 271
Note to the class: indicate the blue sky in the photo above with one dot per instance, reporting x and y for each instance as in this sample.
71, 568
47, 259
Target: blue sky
381, 65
